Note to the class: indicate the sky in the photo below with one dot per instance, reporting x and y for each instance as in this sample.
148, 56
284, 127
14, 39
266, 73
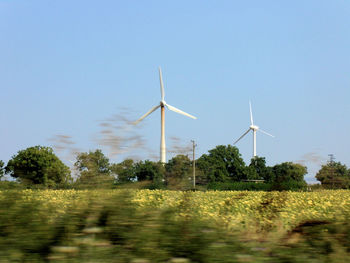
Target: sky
75, 74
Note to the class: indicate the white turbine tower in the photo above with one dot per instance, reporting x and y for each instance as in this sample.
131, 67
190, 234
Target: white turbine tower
162, 106
254, 128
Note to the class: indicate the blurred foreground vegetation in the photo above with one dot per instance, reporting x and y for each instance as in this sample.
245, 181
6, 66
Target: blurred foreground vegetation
174, 226
103, 216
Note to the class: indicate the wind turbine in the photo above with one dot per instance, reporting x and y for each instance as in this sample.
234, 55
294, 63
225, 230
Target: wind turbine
253, 128
162, 106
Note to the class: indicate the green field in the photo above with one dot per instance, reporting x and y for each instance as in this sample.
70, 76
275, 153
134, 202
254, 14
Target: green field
174, 226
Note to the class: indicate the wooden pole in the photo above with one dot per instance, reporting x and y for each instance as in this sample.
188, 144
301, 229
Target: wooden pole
194, 163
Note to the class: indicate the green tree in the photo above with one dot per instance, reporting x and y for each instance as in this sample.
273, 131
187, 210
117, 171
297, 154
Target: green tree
288, 176
150, 171
94, 169
259, 170
178, 172
124, 171
223, 164
334, 175
38, 165
289, 171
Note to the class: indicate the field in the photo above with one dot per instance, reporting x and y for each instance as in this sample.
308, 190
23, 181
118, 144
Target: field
174, 226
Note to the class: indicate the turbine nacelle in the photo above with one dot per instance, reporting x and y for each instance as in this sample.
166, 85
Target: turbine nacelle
162, 103
254, 127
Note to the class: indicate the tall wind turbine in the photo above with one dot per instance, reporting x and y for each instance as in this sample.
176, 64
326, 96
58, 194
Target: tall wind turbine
253, 128
162, 106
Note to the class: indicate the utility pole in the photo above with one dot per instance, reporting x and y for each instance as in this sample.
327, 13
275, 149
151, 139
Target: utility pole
194, 163
331, 158
331, 162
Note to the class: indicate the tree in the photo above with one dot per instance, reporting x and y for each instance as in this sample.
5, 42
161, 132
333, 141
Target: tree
94, 170
289, 171
259, 170
124, 171
178, 171
334, 175
288, 176
150, 171
223, 164
93, 162
38, 165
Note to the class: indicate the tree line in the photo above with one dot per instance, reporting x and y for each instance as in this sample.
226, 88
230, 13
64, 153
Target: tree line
222, 168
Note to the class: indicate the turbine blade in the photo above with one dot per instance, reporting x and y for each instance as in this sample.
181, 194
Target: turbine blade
161, 84
266, 133
251, 113
148, 113
172, 108
242, 136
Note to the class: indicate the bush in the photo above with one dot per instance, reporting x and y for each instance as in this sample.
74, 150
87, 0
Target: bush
39, 166
239, 186
7, 185
251, 186
289, 186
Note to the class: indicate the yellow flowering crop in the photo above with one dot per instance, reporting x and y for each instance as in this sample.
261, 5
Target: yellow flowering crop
231, 209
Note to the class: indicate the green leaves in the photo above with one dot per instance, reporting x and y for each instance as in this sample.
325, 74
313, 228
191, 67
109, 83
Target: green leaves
93, 162
38, 165
334, 175
124, 171
222, 164
289, 171
94, 170
179, 172
148, 170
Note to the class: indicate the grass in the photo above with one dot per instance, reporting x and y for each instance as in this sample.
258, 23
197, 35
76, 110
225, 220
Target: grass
174, 226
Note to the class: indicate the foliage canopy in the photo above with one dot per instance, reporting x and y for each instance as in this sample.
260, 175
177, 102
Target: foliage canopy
178, 170
94, 170
334, 175
38, 165
150, 171
223, 164
124, 171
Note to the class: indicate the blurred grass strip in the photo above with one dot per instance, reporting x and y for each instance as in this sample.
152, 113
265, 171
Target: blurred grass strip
173, 226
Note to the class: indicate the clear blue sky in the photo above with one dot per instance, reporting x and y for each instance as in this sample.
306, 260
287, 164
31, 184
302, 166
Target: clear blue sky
65, 66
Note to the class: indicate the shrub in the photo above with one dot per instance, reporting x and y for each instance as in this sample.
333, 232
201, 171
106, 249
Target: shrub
239, 186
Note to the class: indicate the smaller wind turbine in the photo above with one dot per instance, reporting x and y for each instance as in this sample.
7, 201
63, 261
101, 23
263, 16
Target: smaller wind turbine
254, 128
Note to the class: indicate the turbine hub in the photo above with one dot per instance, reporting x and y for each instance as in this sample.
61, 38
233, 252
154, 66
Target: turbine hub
162, 103
254, 127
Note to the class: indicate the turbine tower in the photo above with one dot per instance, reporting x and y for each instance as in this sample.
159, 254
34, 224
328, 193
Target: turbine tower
253, 128
162, 106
